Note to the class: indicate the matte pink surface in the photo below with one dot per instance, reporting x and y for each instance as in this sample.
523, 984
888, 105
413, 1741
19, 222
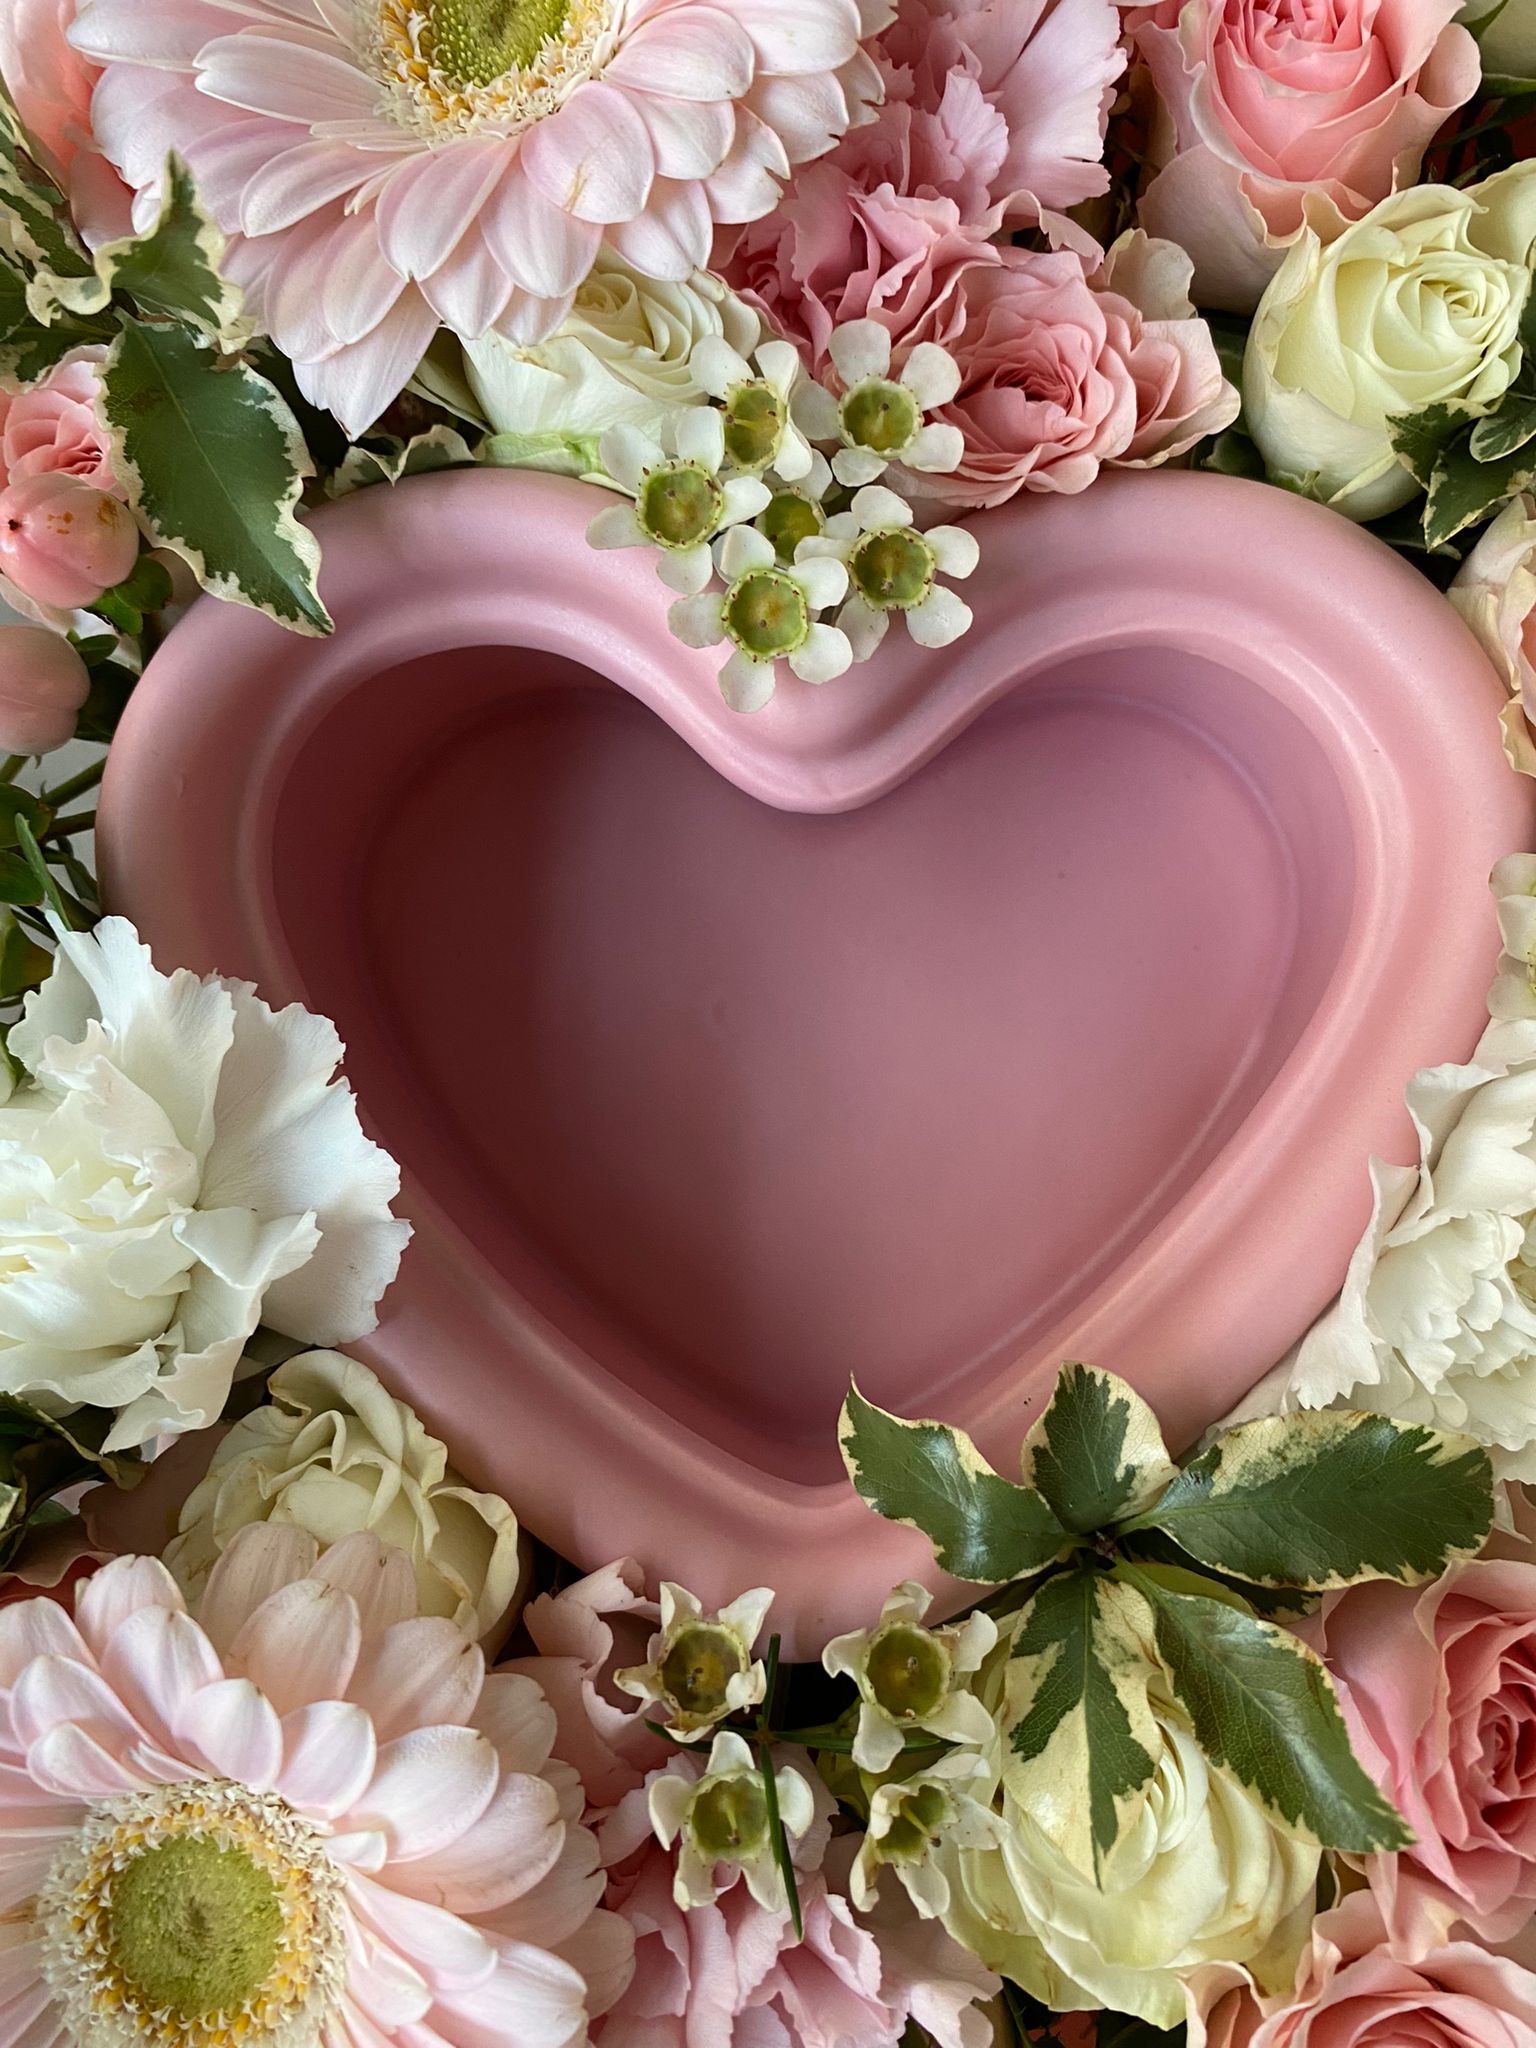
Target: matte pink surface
1038, 998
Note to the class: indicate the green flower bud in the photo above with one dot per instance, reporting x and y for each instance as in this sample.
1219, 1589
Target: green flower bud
919, 1819
728, 1820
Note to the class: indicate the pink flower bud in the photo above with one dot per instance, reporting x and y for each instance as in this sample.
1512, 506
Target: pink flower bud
62, 542
43, 683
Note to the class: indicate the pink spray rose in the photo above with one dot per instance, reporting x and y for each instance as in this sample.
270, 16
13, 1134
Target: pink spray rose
50, 85
1273, 103
55, 426
62, 542
1352, 1992
1440, 1692
43, 683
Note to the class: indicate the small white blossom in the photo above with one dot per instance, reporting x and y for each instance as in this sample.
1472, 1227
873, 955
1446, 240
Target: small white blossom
769, 612
758, 398
911, 1677
723, 1828
881, 419
699, 1666
797, 510
893, 569
679, 500
912, 1819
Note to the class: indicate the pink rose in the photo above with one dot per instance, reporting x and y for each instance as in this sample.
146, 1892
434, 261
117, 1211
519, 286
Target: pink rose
62, 542
50, 85
56, 425
1440, 1693
1272, 104
1352, 1992
43, 683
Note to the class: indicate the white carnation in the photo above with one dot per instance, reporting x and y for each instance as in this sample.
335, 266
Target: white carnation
177, 1164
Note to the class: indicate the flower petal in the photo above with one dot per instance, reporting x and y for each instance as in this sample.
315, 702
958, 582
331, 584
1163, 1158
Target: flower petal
430, 200
449, 1954
696, 620
824, 581
692, 53
699, 437
56, 1690
691, 138
744, 548
688, 572
268, 76
593, 157
329, 1758
237, 1732
825, 654
421, 1673
300, 1645
260, 1560
670, 238
376, 1576
939, 619
745, 684
860, 349
541, 246
931, 374
36, 1628
876, 507
510, 1848
617, 527
119, 1589
937, 450
956, 551
154, 1663
429, 1787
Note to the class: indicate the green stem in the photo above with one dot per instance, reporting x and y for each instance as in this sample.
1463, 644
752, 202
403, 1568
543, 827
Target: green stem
12, 767
65, 828
77, 785
765, 1739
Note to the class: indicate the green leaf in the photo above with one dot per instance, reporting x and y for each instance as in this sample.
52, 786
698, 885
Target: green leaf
18, 884
28, 350
1418, 437
1502, 432
21, 803
174, 269
1262, 1705
1233, 453
40, 1457
145, 589
930, 1477
1463, 491
1097, 1453
1080, 1727
390, 460
214, 463
1320, 1499
23, 965
37, 219
49, 889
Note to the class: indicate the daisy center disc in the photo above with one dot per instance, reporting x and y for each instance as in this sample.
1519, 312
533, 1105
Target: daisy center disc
194, 1916
479, 41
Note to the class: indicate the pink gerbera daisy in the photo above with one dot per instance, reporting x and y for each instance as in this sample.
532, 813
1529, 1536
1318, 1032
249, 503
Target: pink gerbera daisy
305, 1819
385, 165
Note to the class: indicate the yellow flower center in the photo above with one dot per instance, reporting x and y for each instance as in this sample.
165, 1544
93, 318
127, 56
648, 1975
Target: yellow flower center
479, 41
451, 68
194, 1916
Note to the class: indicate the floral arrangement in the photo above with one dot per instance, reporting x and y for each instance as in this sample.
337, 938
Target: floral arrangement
304, 1743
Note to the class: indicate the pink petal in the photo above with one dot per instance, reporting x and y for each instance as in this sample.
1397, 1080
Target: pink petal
799, 35
690, 138
693, 54
514, 1843
36, 1628
389, 1990
155, 1662
450, 1954
331, 1755
283, 79
672, 238
430, 1786
300, 1645
237, 1732
359, 287
293, 294
119, 1589
238, 150
26, 1999
745, 186
593, 157
70, 1763
560, 1905
258, 1561
379, 1578
468, 292
807, 114
26, 1855
518, 1720
528, 321
533, 1997
547, 251
53, 1690
419, 1674
294, 183
171, 32
429, 201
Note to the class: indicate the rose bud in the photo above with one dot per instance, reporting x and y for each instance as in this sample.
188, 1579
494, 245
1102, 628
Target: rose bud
43, 683
62, 542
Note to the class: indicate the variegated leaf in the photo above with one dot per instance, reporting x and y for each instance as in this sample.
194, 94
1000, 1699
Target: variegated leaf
1097, 1453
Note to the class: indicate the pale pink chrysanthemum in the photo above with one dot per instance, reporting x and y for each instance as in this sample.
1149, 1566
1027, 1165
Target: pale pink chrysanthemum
386, 165
305, 1819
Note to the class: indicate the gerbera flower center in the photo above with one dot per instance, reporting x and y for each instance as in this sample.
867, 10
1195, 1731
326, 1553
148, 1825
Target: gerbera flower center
786, 520
680, 505
699, 1667
451, 68
194, 1916
479, 41
754, 424
766, 615
907, 1669
893, 571
881, 416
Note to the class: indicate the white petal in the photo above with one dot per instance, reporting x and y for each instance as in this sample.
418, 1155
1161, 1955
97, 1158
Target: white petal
778, 364
939, 619
955, 549
747, 1613
824, 581
745, 684
878, 1742
931, 374
865, 624
815, 412
696, 621
669, 1798
742, 549
688, 572
825, 654
877, 508
699, 436
745, 497
821, 547
716, 366
858, 465
617, 527
626, 453
937, 449
797, 1804
795, 457
859, 350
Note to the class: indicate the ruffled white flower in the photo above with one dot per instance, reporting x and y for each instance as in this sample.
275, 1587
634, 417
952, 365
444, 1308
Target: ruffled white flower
1513, 995
177, 1165
700, 1666
880, 419
332, 1452
893, 569
723, 1828
758, 398
769, 612
913, 1820
913, 1678
679, 500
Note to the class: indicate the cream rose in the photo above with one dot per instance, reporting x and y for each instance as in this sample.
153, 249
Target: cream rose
621, 358
1338, 345
333, 1453
1508, 42
1495, 592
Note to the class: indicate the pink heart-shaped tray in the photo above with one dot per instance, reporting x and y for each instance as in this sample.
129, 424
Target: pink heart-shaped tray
1042, 997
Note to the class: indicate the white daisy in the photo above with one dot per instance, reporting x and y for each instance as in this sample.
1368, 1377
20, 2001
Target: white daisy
880, 419
679, 501
758, 397
893, 568
769, 613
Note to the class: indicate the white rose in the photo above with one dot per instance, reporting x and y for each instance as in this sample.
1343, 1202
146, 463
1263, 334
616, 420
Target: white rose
1437, 1320
1201, 1875
1495, 592
334, 1453
1508, 43
176, 1166
621, 358
1417, 304
1513, 994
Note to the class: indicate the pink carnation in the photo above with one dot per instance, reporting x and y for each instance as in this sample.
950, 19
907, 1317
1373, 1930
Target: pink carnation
1440, 1691
56, 425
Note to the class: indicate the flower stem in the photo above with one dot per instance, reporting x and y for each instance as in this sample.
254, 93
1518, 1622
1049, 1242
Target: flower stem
12, 767
77, 785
